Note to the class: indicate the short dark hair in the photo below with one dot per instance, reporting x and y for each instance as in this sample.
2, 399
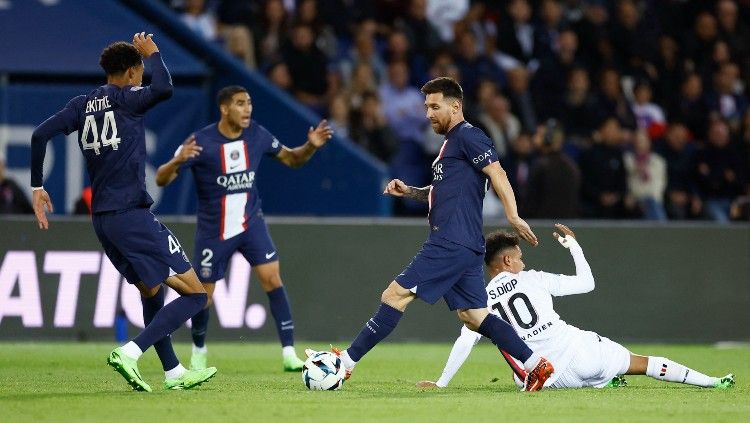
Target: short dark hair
118, 57
497, 242
445, 85
225, 94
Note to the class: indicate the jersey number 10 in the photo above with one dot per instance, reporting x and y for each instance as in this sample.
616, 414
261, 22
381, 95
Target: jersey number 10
108, 136
514, 311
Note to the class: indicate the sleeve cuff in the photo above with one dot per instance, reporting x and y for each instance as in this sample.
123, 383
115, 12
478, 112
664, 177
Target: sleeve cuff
37, 188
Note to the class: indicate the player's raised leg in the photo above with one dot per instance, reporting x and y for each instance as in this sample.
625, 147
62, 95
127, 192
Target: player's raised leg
664, 369
269, 276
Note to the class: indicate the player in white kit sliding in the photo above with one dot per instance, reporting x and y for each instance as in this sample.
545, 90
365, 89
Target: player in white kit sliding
582, 358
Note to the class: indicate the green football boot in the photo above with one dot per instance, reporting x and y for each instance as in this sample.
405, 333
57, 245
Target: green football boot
293, 364
190, 379
725, 383
198, 360
128, 368
617, 382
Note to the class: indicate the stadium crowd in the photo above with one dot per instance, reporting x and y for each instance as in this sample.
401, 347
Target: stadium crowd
598, 109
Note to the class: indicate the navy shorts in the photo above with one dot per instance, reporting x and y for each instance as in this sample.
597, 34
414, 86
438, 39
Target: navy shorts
448, 270
139, 246
212, 254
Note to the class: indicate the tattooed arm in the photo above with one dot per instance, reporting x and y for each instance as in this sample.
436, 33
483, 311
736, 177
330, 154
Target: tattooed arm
398, 188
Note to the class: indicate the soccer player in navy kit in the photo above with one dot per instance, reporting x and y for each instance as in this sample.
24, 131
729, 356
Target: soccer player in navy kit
449, 265
109, 121
224, 158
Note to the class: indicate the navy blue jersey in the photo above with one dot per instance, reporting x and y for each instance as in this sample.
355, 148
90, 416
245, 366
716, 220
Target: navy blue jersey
224, 174
111, 135
459, 185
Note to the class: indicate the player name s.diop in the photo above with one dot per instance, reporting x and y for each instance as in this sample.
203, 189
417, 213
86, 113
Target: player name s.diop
502, 289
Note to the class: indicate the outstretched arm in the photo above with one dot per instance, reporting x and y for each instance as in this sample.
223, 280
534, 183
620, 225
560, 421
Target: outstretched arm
501, 185
62, 122
398, 188
583, 281
459, 353
169, 170
316, 138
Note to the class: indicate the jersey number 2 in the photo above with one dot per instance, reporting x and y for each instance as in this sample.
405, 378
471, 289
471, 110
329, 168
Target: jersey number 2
108, 136
516, 316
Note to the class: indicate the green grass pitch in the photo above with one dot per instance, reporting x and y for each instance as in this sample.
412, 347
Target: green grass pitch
69, 382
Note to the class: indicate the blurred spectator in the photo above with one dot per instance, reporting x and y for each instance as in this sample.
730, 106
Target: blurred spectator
403, 104
554, 179
740, 209
499, 123
633, 38
678, 154
398, 48
473, 65
726, 98
270, 32
516, 35
235, 18
364, 51
548, 85
199, 19
423, 36
325, 38
520, 98
612, 102
308, 68
12, 198
362, 81
278, 74
338, 116
517, 164
690, 106
443, 14
647, 177
718, 172
370, 130
649, 116
550, 27
667, 72
604, 186
699, 44
579, 104
734, 31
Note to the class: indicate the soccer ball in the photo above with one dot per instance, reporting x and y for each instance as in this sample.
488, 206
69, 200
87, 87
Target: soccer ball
323, 371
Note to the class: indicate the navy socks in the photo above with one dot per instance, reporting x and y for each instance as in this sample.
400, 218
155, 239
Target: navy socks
375, 330
282, 314
163, 347
199, 323
169, 318
504, 337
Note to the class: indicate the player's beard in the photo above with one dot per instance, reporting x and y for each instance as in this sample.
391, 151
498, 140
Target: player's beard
439, 127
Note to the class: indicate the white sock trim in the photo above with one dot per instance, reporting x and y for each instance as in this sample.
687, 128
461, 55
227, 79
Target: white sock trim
288, 351
532, 361
132, 350
175, 373
201, 350
348, 362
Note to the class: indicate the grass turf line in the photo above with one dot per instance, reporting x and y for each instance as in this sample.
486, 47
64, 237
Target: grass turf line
70, 382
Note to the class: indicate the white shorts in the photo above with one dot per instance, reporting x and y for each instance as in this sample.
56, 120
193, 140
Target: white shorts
595, 362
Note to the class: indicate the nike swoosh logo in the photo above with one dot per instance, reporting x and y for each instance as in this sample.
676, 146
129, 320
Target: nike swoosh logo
286, 322
234, 167
269, 255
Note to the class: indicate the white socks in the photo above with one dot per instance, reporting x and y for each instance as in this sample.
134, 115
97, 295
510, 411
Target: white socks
348, 362
665, 369
201, 350
175, 373
532, 361
288, 351
132, 350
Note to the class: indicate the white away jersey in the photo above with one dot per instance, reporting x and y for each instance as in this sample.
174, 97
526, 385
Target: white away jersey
525, 301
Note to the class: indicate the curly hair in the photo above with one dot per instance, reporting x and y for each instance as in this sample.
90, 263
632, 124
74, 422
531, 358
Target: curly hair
118, 57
